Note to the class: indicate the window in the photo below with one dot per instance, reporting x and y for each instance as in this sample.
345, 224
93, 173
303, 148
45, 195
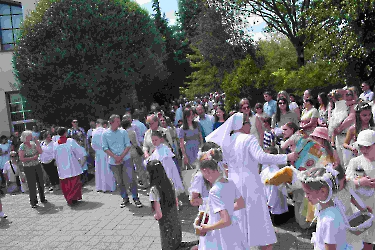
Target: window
20, 115
11, 18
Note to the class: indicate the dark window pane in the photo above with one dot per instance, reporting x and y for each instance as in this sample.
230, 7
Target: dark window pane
7, 36
4, 9
17, 20
16, 9
15, 107
5, 22
19, 127
8, 46
16, 116
29, 125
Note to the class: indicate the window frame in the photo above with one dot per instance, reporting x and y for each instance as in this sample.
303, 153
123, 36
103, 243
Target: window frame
16, 4
24, 122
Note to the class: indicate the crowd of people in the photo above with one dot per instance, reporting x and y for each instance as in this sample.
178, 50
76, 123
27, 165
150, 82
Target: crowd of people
248, 162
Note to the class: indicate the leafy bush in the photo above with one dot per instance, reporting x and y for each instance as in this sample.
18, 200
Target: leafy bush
87, 58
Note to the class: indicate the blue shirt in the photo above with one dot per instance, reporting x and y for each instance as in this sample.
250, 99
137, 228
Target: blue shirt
270, 108
178, 116
207, 124
116, 141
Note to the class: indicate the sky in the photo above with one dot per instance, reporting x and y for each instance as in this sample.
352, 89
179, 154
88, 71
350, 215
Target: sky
169, 7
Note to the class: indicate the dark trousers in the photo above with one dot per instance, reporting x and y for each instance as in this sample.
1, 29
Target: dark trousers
52, 173
34, 177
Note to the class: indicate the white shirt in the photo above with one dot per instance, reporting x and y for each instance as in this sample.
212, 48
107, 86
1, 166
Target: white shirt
67, 156
47, 155
9, 172
367, 96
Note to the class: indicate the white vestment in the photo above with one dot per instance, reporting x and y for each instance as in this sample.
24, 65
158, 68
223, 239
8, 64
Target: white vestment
66, 156
245, 155
104, 179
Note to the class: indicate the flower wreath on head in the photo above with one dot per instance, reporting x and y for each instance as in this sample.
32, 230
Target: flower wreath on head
207, 155
330, 173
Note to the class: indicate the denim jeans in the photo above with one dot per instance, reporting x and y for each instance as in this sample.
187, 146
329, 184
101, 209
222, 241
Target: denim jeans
125, 178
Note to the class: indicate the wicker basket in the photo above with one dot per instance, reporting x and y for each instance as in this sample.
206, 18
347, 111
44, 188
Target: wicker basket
360, 222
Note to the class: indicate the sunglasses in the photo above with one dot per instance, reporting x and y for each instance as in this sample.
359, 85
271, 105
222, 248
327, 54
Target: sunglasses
348, 94
281, 103
13, 156
246, 123
258, 107
246, 107
162, 120
74, 122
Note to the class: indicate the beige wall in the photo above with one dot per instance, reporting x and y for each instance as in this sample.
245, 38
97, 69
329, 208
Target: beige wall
6, 75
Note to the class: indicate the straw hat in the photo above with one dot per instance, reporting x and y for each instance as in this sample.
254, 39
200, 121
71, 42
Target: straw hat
320, 132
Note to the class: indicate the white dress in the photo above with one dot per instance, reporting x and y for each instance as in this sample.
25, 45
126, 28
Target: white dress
330, 229
365, 193
276, 195
165, 155
104, 178
222, 197
244, 155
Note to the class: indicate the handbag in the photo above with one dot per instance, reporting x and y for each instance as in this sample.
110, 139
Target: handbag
138, 149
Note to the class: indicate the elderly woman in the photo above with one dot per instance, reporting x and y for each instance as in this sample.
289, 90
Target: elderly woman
243, 153
29, 153
67, 153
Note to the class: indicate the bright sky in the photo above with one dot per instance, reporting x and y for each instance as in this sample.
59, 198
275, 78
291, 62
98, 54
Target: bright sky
169, 7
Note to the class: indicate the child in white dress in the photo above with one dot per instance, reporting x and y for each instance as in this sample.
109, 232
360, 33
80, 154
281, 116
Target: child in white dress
276, 195
361, 173
319, 184
222, 230
12, 173
163, 154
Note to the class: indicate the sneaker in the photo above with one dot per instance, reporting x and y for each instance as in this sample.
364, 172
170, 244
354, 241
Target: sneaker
50, 189
124, 202
138, 203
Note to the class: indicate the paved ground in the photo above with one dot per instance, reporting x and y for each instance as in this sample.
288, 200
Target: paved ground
99, 223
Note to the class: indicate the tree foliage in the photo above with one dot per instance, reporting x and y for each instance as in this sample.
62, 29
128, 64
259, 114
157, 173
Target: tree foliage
87, 58
294, 19
176, 62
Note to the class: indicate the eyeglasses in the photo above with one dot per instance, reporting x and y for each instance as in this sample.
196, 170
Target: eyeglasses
281, 103
245, 107
75, 122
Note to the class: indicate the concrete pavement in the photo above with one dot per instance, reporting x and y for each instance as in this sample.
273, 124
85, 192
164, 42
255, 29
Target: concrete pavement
98, 222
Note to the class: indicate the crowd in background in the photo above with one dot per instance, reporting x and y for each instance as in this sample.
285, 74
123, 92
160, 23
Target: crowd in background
125, 151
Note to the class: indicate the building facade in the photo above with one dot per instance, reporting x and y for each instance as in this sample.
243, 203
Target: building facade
14, 113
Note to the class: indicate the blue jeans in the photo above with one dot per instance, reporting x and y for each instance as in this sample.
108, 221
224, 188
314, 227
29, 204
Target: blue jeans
125, 177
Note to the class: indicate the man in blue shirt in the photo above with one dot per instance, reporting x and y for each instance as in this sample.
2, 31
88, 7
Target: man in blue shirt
207, 121
116, 144
269, 106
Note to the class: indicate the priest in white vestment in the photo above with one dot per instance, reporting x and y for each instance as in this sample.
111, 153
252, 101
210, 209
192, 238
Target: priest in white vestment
104, 179
66, 152
243, 154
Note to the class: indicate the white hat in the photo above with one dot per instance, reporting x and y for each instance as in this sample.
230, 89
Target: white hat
366, 138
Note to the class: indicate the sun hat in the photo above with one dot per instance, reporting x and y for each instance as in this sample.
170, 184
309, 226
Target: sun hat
365, 138
320, 132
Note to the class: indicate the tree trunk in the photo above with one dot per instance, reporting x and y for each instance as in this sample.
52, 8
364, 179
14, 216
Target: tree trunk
300, 49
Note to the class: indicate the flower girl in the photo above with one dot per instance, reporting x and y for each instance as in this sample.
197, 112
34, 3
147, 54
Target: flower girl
163, 154
222, 230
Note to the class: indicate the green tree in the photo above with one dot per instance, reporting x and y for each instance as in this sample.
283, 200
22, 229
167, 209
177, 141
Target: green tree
176, 63
204, 79
87, 58
297, 20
